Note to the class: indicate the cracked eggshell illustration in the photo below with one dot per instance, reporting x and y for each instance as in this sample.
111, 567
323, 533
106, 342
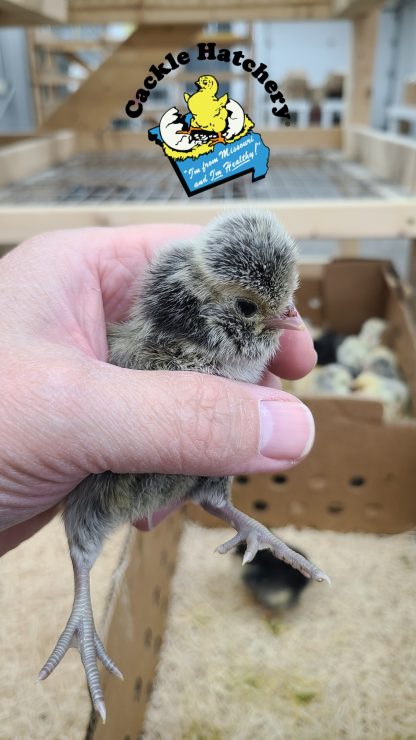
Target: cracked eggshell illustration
170, 131
235, 121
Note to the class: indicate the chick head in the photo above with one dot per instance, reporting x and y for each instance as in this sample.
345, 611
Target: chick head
333, 378
382, 361
247, 267
207, 82
352, 353
372, 331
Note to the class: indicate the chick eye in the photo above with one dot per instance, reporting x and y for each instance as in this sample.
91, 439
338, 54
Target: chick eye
247, 308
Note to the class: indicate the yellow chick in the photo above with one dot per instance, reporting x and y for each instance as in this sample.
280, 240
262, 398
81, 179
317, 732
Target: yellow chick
393, 393
208, 112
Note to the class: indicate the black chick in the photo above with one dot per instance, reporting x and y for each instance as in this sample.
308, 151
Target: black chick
274, 583
326, 347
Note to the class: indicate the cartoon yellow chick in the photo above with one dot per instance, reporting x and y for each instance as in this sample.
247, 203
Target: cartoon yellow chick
208, 112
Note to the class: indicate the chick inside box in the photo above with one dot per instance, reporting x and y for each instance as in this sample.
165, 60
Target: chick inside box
359, 478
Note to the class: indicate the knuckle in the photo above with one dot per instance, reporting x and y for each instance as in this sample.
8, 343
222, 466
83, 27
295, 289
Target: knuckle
214, 426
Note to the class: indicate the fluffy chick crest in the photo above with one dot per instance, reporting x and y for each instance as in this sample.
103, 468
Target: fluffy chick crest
252, 250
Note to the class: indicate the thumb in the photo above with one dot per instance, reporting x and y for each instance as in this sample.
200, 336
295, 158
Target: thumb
187, 423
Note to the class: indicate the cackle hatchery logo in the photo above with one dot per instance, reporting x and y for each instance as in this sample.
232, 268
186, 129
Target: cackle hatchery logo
213, 141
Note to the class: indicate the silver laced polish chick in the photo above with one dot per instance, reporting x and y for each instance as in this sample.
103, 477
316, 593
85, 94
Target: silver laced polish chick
215, 304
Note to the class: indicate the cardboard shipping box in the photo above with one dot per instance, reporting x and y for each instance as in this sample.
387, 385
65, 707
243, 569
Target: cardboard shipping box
359, 476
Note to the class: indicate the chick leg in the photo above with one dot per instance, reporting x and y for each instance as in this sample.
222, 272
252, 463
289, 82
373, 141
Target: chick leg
80, 629
257, 538
87, 523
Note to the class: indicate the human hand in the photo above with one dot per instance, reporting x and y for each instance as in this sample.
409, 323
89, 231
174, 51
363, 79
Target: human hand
65, 412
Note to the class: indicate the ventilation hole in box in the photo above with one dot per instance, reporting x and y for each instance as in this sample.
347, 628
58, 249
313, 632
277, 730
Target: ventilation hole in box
164, 557
335, 507
280, 479
126, 737
357, 481
260, 505
156, 595
148, 634
157, 644
297, 508
138, 685
149, 689
373, 511
242, 479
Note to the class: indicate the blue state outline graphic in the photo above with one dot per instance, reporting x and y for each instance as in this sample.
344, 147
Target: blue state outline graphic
223, 154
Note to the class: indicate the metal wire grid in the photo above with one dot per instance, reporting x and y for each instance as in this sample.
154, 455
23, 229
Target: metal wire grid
143, 176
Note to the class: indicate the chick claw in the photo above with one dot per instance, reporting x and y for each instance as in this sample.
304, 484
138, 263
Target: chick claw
80, 632
258, 537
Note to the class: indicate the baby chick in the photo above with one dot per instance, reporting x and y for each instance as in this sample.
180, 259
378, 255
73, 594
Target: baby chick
352, 354
208, 112
326, 345
274, 584
213, 305
392, 392
331, 379
372, 331
383, 361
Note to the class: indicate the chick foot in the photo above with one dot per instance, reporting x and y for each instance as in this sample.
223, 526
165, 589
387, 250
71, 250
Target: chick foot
219, 139
80, 632
258, 537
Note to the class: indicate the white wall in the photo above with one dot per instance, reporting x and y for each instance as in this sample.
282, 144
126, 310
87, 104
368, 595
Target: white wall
384, 67
406, 51
317, 48
395, 57
16, 104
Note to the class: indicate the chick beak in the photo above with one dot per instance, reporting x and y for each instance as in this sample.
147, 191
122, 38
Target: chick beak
289, 319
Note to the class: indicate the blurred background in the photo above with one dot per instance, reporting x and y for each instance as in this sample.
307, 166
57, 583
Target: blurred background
307, 45
347, 70
259, 656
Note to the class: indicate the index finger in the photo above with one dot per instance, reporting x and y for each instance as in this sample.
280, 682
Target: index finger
296, 356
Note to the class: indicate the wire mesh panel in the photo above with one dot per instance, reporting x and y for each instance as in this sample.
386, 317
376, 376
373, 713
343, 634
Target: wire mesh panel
148, 176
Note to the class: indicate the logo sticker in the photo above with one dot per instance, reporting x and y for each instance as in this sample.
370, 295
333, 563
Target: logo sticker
212, 142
